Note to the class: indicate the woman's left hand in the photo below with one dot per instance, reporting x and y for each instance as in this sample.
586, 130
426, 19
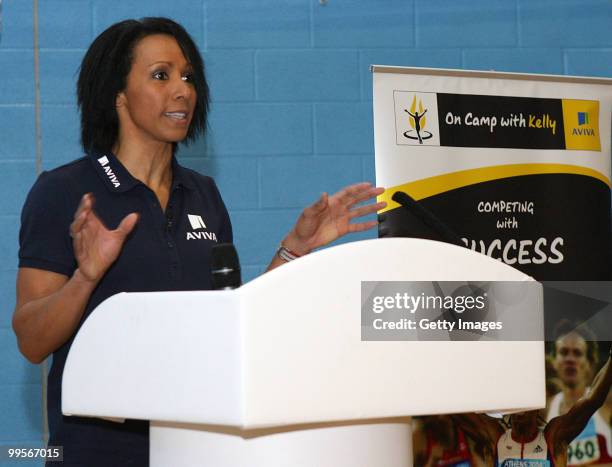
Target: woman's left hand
330, 218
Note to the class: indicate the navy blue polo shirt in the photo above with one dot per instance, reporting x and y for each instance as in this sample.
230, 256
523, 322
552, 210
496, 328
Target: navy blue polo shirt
166, 251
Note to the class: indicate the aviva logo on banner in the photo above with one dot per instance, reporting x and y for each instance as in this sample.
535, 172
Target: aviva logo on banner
581, 124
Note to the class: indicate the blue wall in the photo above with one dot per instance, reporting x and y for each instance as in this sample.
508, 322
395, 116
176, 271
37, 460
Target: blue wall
291, 114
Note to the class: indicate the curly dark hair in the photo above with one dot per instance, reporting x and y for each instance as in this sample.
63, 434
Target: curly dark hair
103, 75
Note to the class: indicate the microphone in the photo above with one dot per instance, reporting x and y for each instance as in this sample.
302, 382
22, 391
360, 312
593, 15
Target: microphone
428, 218
224, 267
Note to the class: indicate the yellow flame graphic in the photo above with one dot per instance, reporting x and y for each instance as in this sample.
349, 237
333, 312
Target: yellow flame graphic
421, 110
413, 108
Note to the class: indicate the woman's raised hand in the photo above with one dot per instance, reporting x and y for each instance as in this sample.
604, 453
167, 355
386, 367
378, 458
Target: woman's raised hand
95, 247
330, 217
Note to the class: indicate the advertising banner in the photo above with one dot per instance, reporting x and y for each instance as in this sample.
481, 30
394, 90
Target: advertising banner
514, 166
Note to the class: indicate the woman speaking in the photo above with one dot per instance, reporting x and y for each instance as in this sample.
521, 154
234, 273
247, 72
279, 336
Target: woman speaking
117, 219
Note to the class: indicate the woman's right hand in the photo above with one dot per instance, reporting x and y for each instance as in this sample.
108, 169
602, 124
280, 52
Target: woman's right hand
50, 305
95, 247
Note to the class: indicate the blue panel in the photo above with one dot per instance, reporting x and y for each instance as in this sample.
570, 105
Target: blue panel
18, 133
548, 61
243, 129
65, 24
265, 23
60, 129
433, 58
252, 272
296, 182
9, 242
58, 76
17, 25
20, 406
307, 75
18, 177
369, 172
17, 83
343, 128
589, 62
230, 74
466, 23
257, 234
26, 463
236, 178
359, 23
15, 369
186, 12
437, 58
199, 148
565, 23
7, 297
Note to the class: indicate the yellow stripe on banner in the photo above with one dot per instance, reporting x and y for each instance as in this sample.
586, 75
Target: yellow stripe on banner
431, 186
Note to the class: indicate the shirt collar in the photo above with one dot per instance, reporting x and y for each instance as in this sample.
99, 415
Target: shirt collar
181, 176
118, 180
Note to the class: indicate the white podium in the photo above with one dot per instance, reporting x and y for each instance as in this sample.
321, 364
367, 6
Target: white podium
275, 373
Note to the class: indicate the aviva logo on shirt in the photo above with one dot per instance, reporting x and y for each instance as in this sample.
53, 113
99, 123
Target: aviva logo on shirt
581, 124
103, 161
198, 229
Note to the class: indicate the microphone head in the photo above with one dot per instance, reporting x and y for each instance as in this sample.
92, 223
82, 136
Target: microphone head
225, 267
